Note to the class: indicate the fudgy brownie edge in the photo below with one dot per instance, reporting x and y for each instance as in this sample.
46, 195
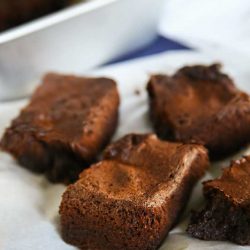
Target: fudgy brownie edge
226, 215
133, 197
68, 121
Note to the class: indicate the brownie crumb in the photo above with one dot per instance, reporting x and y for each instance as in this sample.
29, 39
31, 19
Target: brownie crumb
137, 92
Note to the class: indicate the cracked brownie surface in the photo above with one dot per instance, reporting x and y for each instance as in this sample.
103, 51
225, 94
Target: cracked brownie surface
66, 124
133, 197
200, 104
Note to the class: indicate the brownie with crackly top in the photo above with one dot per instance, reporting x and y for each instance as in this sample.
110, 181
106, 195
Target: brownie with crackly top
16, 12
200, 104
133, 197
68, 121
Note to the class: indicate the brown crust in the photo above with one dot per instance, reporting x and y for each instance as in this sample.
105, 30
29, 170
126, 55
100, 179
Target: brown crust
202, 105
67, 123
132, 198
226, 215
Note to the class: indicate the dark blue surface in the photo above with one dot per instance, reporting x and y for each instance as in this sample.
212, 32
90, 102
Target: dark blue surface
160, 44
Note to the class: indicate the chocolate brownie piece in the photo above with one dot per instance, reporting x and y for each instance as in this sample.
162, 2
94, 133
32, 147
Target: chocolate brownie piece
227, 213
15, 12
67, 122
202, 105
132, 198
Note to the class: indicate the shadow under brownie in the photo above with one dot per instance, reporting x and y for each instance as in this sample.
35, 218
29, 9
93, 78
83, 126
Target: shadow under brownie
68, 121
133, 197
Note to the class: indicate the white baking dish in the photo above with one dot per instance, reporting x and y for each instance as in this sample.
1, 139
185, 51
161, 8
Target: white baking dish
73, 40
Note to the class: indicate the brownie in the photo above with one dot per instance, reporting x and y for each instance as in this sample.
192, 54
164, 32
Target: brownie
226, 215
15, 12
200, 104
133, 197
68, 121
